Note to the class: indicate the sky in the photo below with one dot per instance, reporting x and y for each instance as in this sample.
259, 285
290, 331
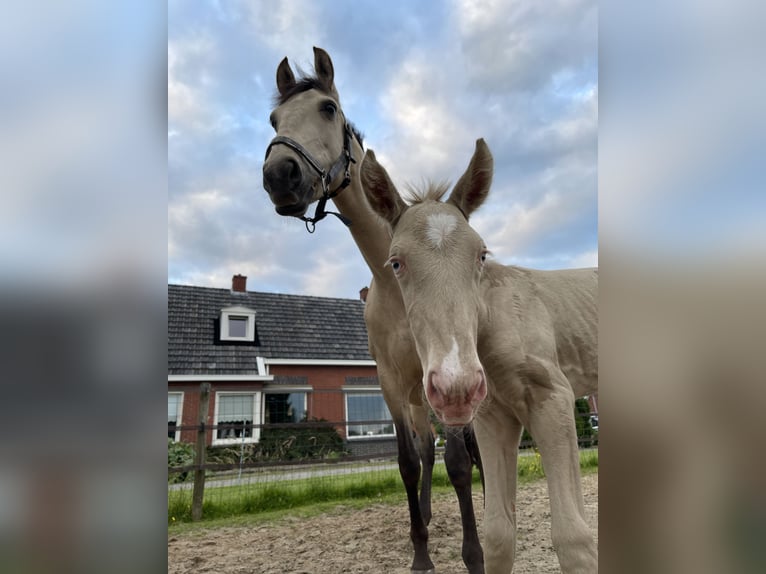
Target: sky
422, 81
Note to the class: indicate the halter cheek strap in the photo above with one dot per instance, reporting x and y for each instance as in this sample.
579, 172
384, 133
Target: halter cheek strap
344, 162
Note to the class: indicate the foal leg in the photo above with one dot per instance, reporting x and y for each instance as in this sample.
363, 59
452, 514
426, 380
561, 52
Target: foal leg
552, 425
498, 436
409, 468
457, 459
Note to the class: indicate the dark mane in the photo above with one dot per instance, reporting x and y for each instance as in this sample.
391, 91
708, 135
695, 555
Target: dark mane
357, 134
306, 83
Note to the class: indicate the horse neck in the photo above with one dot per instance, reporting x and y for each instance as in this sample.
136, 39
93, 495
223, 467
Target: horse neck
370, 234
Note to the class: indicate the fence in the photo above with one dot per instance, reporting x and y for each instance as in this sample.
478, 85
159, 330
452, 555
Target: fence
290, 444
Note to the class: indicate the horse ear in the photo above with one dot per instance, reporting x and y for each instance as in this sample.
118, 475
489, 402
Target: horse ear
323, 68
285, 77
473, 186
379, 189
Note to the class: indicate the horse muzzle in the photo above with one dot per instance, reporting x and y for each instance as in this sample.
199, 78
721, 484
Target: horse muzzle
286, 183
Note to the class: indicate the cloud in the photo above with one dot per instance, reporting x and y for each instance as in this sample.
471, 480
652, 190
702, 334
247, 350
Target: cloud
290, 27
423, 82
430, 131
521, 45
189, 60
336, 273
585, 259
561, 220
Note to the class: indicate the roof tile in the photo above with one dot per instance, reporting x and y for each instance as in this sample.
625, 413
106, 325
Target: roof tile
288, 327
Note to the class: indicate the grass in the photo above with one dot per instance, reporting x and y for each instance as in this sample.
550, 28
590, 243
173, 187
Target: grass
308, 497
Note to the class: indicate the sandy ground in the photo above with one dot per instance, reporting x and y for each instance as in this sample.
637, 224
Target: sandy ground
374, 540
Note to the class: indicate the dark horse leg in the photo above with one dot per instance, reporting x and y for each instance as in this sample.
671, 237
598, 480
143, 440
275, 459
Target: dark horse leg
409, 468
424, 441
473, 450
460, 454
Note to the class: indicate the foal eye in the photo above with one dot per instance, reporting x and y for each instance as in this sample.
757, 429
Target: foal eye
396, 265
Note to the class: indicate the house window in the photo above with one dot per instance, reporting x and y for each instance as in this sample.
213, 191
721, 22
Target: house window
235, 417
175, 403
369, 410
237, 324
284, 408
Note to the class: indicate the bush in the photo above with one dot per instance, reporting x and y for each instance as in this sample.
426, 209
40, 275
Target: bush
309, 442
179, 454
582, 420
300, 443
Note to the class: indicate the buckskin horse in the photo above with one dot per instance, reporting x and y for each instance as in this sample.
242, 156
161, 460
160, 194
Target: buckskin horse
315, 158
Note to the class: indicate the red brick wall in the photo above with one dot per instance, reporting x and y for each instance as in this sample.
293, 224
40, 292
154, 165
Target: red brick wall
325, 402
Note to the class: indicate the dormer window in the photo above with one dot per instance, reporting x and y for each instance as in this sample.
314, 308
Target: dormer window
237, 324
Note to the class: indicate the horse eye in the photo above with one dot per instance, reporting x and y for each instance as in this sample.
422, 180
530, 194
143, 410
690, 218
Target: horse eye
330, 109
396, 265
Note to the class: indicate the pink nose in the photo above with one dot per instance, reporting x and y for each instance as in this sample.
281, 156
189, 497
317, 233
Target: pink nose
454, 401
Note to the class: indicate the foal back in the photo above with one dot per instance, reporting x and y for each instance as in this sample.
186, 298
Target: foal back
552, 315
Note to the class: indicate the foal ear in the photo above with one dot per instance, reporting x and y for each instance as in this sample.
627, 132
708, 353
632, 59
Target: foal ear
379, 189
285, 77
473, 186
323, 68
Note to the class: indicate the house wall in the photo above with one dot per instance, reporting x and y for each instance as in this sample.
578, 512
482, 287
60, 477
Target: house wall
326, 401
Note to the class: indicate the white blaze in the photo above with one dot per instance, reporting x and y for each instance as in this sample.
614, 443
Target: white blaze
440, 225
451, 368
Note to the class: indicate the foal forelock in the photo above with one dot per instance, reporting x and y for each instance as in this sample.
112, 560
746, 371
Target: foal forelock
426, 191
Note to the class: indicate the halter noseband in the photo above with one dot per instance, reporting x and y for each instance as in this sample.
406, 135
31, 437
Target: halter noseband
344, 161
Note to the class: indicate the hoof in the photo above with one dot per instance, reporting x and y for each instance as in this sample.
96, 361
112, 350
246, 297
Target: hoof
429, 571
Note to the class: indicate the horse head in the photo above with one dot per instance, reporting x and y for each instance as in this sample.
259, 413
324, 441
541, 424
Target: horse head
310, 157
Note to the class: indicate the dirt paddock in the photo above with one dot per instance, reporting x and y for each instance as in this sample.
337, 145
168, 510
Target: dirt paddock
372, 540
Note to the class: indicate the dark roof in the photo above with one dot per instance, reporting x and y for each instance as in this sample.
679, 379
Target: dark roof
287, 327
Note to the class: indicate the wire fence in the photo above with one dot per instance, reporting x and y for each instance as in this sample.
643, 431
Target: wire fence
233, 457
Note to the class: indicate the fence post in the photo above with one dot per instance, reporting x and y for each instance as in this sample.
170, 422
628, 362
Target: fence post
199, 452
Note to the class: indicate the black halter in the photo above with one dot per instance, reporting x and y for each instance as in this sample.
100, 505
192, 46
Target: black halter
344, 161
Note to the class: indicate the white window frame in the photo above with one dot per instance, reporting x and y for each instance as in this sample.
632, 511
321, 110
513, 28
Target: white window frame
257, 418
179, 413
245, 312
349, 423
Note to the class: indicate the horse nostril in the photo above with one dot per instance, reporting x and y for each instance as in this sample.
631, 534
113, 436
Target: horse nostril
283, 175
479, 390
293, 171
433, 392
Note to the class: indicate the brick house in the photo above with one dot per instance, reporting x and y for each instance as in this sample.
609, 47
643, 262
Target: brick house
272, 359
